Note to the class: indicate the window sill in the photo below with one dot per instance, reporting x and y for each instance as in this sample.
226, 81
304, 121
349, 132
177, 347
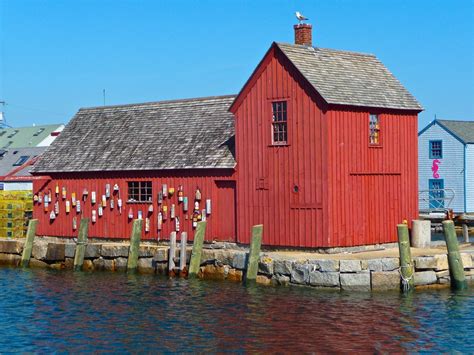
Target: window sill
140, 202
376, 146
279, 145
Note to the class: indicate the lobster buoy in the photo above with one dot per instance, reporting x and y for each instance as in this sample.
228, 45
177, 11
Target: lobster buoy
176, 221
93, 197
56, 207
56, 190
78, 206
73, 198
208, 206
172, 212
74, 223
52, 215
140, 215
196, 206
198, 195
160, 221
104, 201
130, 213
101, 211
94, 216
203, 215
107, 190
165, 213
147, 224
150, 208
170, 191
185, 204
165, 190
63, 193
112, 204
180, 193
68, 206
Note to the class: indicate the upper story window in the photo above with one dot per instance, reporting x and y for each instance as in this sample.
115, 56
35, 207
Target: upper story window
279, 122
374, 129
22, 160
436, 149
139, 191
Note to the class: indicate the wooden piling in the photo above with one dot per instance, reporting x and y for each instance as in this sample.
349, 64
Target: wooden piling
172, 254
456, 268
28, 247
406, 265
254, 253
182, 254
195, 262
132, 262
81, 244
465, 233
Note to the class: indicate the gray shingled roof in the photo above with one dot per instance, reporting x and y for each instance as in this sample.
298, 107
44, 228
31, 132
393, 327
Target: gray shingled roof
8, 158
463, 129
349, 78
180, 134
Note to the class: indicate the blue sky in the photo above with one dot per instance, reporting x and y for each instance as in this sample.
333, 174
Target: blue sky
58, 56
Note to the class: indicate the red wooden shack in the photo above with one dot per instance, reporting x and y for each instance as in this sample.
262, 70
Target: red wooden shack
326, 148
323, 153
115, 163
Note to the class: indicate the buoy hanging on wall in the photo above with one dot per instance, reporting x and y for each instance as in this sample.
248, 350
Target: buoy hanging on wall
130, 213
73, 198
171, 192
101, 211
104, 201
93, 197
94, 216
160, 197
140, 215
107, 190
160, 221
147, 224
35, 198
56, 190
195, 220
150, 208
208, 206
165, 213
52, 215
116, 188
85, 193
176, 221
119, 204
173, 212
74, 223
112, 204
198, 195
63, 192
196, 206
203, 215
68, 206
180, 193
56, 207
165, 190
78, 206
185, 204
40, 197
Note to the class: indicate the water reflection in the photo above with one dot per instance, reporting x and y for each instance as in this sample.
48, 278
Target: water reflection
64, 311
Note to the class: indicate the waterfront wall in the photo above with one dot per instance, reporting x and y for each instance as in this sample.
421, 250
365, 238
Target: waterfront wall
348, 272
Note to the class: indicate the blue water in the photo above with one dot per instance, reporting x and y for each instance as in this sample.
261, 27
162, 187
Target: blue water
45, 311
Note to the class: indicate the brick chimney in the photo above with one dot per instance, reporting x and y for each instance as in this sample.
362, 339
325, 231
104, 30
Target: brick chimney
303, 34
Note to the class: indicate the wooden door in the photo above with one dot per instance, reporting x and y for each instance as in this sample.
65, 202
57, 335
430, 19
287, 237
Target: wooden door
225, 208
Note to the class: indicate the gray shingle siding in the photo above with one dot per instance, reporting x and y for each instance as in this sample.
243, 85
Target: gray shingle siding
349, 78
180, 134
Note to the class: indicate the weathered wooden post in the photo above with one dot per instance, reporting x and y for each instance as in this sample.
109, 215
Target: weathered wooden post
182, 254
81, 244
465, 233
456, 268
254, 253
28, 247
133, 252
172, 254
195, 262
406, 265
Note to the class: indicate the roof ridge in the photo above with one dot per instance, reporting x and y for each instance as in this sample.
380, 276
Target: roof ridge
448, 120
204, 98
328, 49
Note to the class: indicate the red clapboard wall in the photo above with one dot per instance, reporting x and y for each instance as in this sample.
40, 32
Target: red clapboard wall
217, 185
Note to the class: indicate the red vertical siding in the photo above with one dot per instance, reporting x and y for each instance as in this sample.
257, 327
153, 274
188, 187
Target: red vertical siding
267, 174
372, 188
115, 225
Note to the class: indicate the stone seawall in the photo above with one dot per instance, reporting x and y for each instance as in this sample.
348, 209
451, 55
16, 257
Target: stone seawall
376, 271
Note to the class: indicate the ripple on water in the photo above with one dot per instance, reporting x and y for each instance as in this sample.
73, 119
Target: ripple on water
47, 311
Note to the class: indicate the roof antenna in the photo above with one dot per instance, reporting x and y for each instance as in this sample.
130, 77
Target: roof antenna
103, 94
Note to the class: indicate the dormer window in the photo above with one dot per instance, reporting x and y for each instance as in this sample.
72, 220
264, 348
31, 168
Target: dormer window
374, 129
22, 160
279, 123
